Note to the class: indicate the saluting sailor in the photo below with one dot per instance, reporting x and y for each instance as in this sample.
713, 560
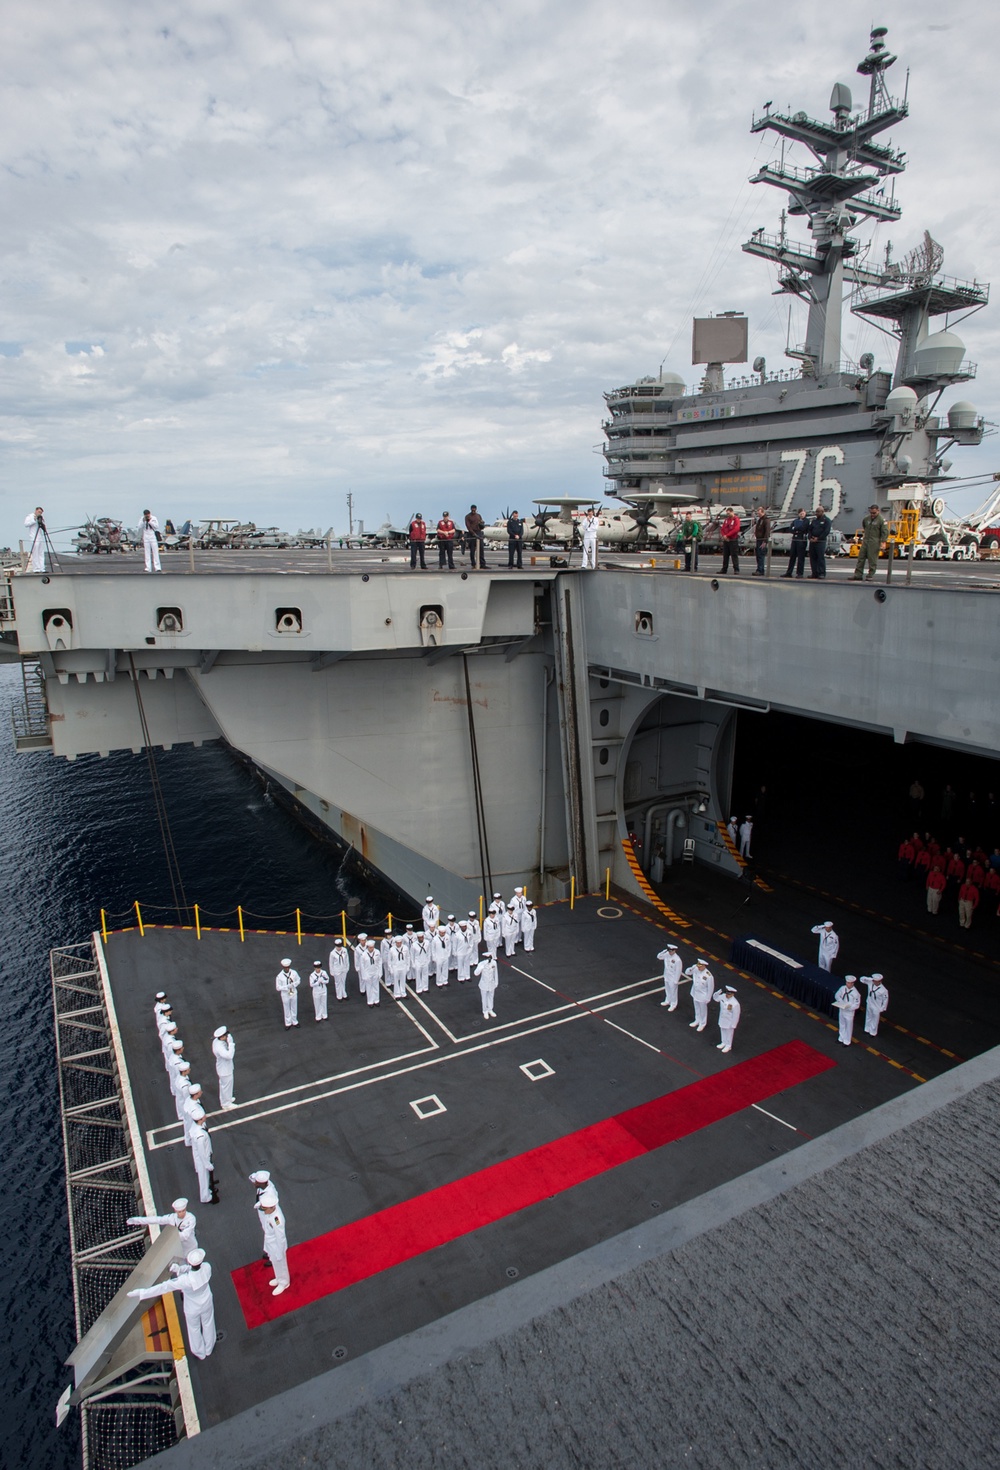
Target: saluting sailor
829, 944
199, 1308
847, 1000
339, 963
287, 983
729, 1016
275, 1240
488, 976
180, 1217
224, 1051
702, 987
319, 984
672, 967
875, 1006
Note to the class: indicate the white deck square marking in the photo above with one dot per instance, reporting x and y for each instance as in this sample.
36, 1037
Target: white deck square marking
535, 1071
428, 1107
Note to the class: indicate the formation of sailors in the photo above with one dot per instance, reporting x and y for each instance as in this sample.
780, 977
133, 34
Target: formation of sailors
703, 992
847, 999
188, 1096
964, 875
415, 956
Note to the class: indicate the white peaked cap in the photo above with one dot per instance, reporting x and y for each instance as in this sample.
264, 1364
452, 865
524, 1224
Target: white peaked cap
268, 1197
260, 1176
179, 1204
220, 1031
671, 946
286, 962
195, 1258
731, 989
702, 960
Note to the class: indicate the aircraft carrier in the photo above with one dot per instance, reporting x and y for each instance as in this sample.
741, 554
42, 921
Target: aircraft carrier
465, 732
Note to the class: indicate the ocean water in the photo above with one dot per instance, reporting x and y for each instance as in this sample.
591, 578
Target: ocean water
75, 838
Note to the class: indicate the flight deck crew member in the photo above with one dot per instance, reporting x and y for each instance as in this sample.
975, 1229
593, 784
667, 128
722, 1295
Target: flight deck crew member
420, 962
702, 988
224, 1051
799, 543
474, 525
287, 983
36, 546
151, 551
690, 536
874, 536
515, 540
729, 1016
936, 884
201, 1157
847, 1000
397, 965
876, 1004
319, 984
729, 531
339, 963
761, 536
968, 901
829, 944
199, 1308
819, 530
446, 541
488, 976
275, 1240
180, 1217
418, 541
529, 923
672, 966
590, 542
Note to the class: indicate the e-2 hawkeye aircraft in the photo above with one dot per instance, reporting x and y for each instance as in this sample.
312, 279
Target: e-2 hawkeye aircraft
553, 524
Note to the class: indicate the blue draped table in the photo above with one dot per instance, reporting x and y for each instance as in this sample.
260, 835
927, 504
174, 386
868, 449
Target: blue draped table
786, 972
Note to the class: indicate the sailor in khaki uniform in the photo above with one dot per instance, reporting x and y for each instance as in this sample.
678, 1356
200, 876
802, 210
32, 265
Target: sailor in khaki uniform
729, 1016
192, 1281
672, 967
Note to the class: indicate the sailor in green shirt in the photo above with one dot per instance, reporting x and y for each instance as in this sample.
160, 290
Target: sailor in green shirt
874, 535
690, 536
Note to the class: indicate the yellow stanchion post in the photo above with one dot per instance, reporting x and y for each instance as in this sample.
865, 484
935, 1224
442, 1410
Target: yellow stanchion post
239, 911
390, 923
298, 926
343, 924
104, 928
572, 893
607, 884
480, 911
197, 921
138, 914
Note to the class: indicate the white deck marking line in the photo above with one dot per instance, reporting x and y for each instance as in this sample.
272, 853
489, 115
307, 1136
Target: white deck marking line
775, 1117
302, 1087
436, 1019
450, 1056
587, 1001
632, 1034
425, 1034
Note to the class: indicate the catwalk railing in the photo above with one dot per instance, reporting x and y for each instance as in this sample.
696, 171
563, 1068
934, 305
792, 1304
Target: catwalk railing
126, 1420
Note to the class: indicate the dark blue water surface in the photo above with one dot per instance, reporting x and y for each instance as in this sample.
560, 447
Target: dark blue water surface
75, 838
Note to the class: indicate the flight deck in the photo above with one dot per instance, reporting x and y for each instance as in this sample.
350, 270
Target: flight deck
426, 1157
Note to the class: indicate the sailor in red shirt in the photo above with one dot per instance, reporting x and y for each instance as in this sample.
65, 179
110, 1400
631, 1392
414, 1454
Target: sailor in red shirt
939, 862
918, 844
905, 857
922, 863
446, 541
974, 870
955, 871
729, 530
991, 882
418, 538
968, 900
935, 888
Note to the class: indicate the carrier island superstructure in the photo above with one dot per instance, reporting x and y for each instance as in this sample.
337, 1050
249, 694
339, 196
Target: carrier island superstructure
466, 731
827, 431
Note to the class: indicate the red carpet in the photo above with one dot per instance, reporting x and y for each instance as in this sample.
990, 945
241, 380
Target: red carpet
353, 1252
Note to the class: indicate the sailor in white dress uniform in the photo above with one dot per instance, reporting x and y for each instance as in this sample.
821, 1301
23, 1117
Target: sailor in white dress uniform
702, 987
151, 551
275, 1240
193, 1281
287, 983
847, 1000
488, 975
180, 1217
338, 966
224, 1051
672, 967
729, 1016
319, 984
878, 1000
829, 943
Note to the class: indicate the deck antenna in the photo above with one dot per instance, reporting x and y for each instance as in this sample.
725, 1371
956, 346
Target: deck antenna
350, 514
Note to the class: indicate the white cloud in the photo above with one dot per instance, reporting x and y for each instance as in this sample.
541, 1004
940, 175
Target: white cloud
256, 254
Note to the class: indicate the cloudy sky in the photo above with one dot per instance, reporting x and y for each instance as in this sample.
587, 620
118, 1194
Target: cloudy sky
257, 255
